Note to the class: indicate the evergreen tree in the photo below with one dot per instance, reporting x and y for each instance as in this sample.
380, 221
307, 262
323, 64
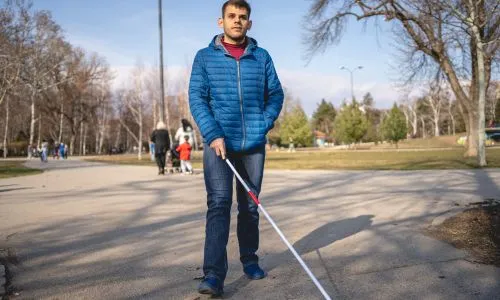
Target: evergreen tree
324, 117
368, 100
394, 125
295, 128
351, 124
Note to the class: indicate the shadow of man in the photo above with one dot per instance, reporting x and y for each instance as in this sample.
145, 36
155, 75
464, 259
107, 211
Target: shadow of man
315, 240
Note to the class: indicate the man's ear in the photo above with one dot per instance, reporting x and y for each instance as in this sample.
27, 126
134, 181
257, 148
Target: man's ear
220, 22
249, 24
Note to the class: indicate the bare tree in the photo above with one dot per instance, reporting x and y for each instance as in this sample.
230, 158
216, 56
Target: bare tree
11, 48
6, 129
153, 92
43, 76
436, 98
437, 29
451, 115
134, 100
102, 115
409, 108
79, 94
44, 40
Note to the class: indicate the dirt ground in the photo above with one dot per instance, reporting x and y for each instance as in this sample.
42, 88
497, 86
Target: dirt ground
476, 230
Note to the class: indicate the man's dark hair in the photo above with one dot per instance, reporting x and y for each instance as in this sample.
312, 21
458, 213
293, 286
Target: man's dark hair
238, 4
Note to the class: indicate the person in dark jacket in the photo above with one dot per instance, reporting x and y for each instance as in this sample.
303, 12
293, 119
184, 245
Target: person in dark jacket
160, 138
235, 96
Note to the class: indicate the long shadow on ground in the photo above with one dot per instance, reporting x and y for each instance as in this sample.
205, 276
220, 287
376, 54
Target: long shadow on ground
315, 240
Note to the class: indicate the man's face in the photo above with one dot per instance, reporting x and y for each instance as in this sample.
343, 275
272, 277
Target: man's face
235, 23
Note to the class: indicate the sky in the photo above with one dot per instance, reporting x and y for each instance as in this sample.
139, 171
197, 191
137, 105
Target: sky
126, 31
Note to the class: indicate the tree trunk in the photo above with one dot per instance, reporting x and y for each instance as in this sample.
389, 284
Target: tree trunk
80, 144
97, 137
423, 127
103, 132
405, 112
436, 125
32, 124
85, 139
414, 122
39, 129
472, 135
127, 143
466, 103
61, 121
6, 132
118, 135
139, 152
481, 151
453, 126
72, 144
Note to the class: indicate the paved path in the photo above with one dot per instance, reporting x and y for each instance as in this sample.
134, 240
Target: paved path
91, 231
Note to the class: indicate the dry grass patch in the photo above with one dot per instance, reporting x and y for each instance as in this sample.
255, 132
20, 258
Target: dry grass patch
476, 230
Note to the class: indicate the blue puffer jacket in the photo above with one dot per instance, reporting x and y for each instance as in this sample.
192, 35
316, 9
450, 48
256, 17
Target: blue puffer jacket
236, 100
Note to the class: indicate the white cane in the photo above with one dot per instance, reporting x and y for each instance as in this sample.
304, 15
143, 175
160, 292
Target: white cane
297, 256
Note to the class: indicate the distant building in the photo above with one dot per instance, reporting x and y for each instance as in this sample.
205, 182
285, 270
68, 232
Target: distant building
319, 138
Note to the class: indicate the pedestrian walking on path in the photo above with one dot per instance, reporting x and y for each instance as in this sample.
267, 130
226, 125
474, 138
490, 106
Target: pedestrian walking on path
235, 96
185, 155
160, 138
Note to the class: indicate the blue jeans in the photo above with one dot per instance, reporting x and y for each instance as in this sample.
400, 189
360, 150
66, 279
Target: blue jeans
219, 185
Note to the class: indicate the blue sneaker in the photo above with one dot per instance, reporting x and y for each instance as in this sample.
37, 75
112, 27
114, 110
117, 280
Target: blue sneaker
254, 272
210, 286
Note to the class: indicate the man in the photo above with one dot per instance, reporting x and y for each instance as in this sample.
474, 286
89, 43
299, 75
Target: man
235, 96
162, 144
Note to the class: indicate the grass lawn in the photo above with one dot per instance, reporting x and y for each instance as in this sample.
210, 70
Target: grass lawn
445, 141
378, 160
348, 160
15, 168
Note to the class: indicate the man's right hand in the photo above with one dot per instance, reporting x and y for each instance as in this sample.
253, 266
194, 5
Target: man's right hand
219, 147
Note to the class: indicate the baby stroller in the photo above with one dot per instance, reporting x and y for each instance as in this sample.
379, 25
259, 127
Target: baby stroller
173, 160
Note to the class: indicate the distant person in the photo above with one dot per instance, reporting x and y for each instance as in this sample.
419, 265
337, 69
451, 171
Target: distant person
39, 152
185, 129
160, 137
55, 153
45, 151
61, 150
185, 155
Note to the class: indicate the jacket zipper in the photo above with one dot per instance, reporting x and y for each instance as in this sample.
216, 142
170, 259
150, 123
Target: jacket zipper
239, 92
241, 105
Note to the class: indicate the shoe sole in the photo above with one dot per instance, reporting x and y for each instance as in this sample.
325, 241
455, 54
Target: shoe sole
256, 277
208, 291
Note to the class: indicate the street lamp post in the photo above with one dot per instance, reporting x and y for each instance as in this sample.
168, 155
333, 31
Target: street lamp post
352, 77
162, 87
